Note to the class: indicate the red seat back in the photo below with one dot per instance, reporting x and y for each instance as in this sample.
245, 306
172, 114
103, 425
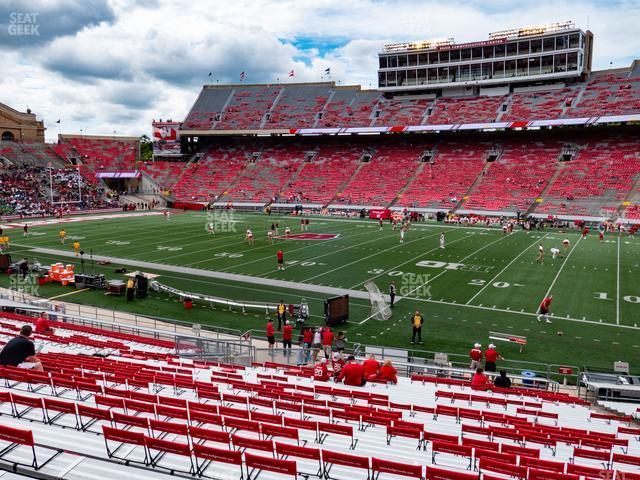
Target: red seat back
217, 454
296, 451
395, 468
277, 431
434, 473
16, 435
94, 412
252, 443
282, 467
123, 436
168, 446
337, 458
210, 435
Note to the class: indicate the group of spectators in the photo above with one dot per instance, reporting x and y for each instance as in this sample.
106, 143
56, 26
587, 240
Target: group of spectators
353, 373
26, 191
491, 356
20, 351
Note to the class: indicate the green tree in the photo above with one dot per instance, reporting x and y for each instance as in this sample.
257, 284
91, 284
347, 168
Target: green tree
146, 148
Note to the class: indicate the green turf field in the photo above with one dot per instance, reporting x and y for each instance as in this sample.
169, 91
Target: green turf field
482, 281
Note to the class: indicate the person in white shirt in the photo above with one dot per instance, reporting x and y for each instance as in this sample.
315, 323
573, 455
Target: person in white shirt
249, 237
555, 252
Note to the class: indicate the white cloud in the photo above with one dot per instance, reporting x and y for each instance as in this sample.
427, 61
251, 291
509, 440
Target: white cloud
151, 57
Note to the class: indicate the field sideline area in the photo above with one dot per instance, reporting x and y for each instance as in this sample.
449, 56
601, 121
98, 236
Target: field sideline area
482, 281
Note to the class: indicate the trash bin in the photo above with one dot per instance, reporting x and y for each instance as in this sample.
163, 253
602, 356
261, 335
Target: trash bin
529, 376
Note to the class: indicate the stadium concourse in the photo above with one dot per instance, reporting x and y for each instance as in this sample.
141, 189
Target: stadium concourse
113, 404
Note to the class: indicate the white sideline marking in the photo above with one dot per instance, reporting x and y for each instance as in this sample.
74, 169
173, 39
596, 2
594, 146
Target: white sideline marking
560, 269
441, 273
377, 252
618, 286
408, 261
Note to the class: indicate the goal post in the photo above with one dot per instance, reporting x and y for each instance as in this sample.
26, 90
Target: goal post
379, 309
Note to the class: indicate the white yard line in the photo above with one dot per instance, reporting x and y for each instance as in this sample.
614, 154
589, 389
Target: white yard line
361, 294
310, 245
560, 269
398, 245
618, 286
504, 269
409, 261
441, 273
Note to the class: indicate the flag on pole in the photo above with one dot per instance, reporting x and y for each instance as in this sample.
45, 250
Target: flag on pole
327, 71
241, 76
291, 73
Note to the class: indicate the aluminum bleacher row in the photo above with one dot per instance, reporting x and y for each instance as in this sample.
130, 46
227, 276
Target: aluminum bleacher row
152, 415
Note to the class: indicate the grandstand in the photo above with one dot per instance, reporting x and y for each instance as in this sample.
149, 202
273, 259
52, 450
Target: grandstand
473, 172
488, 148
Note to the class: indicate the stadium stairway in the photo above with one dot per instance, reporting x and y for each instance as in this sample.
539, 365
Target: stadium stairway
631, 200
548, 186
344, 184
399, 195
472, 187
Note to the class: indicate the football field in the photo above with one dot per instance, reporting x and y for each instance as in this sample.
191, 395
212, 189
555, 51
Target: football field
482, 281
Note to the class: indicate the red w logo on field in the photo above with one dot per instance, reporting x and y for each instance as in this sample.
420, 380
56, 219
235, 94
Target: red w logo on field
310, 236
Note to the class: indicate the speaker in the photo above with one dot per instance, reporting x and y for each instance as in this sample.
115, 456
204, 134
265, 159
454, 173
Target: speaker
142, 286
5, 261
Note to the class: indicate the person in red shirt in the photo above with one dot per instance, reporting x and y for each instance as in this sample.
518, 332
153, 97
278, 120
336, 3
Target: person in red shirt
320, 371
479, 380
327, 342
280, 257
544, 309
476, 357
271, 334
388, 372
43, 326
491, 356
585, 231
337, 363
352, 373
371, 367
307, 338
287, 335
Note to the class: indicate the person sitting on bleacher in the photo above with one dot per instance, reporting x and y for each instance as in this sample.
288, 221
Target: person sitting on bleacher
320, 371
21, 352
352, 373
502, 381
388, 372
371, 367
337, 363
43, 327
479, 379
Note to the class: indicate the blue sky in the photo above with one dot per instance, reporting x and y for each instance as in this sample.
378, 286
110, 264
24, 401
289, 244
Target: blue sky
105, 65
